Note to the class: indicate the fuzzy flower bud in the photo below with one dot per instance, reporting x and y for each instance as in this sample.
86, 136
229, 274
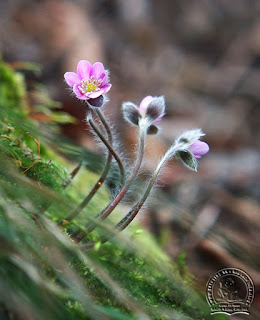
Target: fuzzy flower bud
90, 81
151, 109
191, 148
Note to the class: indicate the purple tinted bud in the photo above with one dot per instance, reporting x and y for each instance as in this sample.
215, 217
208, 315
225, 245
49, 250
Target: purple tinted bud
150, 112
152, 108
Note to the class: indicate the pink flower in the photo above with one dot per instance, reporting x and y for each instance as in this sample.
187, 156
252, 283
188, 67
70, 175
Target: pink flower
89, 82
198, 148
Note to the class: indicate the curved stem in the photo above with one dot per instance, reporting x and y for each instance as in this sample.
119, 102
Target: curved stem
103, 215
108, 143
134, 211
117, 158
122, 224
103, 139
97, 185
93, 190
113, 204
67, 182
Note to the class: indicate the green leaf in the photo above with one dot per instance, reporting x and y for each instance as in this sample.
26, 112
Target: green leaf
188, 159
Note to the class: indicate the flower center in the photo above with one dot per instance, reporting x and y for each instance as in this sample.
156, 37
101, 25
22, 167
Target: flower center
90, 85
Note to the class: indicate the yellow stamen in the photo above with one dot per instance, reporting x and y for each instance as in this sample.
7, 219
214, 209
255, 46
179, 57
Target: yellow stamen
90, 85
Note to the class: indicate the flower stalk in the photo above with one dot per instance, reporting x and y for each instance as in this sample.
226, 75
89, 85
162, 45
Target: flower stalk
114, 203
115, 155
134, 211
121, 194
129, 217
72, 175
97, 185
111, 152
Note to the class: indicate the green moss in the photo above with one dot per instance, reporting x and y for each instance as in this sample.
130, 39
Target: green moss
12, 89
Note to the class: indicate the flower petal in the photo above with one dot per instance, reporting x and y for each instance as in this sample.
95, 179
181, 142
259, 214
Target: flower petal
106, 87
78, 93
199, 148
71, 78
144, 104
97, 70
156, 121
104, 77
95, 94
83, 69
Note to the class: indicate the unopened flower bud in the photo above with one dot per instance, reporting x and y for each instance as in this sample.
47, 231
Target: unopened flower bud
191, 148
151, 110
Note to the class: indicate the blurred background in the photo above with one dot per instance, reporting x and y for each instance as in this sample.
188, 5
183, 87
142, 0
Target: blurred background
204, 57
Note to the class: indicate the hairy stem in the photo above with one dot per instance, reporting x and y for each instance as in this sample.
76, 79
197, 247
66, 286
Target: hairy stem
93, 190
122, 224
67, 182
117, 158
100, 181
134, 173
109, 144
113, 204
134, 211
106, 143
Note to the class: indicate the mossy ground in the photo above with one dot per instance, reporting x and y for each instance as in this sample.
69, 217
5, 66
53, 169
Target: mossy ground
43, 274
